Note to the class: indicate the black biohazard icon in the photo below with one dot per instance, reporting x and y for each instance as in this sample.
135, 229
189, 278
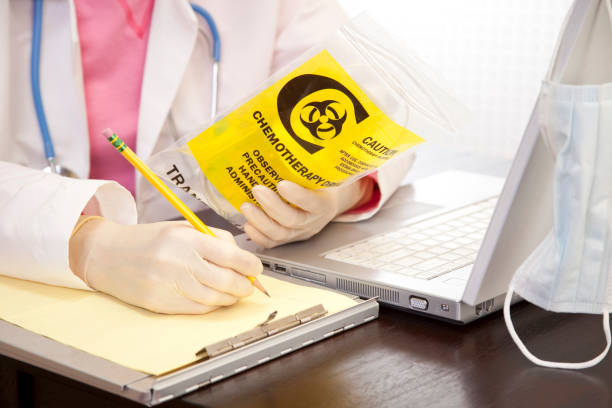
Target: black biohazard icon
325, 119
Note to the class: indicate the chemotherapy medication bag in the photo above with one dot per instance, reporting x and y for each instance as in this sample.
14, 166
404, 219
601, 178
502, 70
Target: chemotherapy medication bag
342, 110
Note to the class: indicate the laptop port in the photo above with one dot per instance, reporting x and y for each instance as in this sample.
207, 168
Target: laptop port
308, 275
484, 307
418, 303
280, 268
478, 309
266, 265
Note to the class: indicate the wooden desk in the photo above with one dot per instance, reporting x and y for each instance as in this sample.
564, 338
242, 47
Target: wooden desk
399, 360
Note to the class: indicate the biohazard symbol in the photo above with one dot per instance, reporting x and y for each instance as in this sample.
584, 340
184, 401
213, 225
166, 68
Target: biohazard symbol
315, 109
324, 119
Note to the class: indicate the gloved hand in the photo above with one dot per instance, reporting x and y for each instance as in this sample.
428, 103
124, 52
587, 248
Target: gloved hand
280, 222
166, 267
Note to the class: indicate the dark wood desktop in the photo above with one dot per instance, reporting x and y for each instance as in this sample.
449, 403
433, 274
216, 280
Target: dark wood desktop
399, 360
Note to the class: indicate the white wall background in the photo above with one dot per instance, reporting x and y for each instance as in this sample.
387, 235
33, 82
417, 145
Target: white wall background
493, 54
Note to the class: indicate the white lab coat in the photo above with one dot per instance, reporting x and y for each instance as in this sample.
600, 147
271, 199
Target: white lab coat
37, 210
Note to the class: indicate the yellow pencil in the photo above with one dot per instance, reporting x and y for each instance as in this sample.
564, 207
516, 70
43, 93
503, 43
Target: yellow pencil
165, 191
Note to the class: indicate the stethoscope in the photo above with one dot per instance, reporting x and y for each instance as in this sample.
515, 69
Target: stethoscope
53, 166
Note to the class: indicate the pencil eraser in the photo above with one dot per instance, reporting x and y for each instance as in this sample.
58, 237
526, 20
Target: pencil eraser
107, 133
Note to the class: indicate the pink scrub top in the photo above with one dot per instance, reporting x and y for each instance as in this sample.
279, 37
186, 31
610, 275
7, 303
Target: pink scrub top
113, 38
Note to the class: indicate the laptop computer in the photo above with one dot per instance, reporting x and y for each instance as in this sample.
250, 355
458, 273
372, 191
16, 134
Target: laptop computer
444, 246
505, 227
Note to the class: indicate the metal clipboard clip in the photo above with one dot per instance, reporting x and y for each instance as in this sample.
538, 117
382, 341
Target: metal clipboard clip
261, 331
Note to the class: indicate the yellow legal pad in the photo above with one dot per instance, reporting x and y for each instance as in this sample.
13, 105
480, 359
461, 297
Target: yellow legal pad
152, 343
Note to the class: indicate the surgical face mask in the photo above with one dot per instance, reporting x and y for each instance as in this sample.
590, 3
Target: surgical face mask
332, 101
570, 270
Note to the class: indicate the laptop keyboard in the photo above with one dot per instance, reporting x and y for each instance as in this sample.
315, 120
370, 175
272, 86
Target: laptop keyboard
426, 249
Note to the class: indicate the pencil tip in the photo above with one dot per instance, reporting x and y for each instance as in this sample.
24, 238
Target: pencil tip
259, 286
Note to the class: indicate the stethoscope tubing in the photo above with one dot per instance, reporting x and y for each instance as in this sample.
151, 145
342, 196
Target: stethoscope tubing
216, 54
35, 79
214, 32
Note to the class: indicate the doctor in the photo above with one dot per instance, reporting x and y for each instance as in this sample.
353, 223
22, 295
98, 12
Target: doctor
142, 67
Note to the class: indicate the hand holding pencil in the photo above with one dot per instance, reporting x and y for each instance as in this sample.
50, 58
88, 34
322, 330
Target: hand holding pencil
165, 191
165, 267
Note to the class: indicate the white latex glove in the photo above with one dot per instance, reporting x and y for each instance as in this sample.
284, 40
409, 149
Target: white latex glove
303, 214
166, 267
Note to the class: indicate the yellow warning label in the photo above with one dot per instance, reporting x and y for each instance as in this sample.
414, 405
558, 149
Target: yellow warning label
314, 127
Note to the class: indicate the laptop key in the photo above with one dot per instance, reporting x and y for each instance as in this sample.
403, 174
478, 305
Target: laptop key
335, 257
374, 264
431, 232
378, 240
418, 236
409, 272
430, 264
429, 242
437, 220
350, 253
445, 237
450, 256
481, 215
407, 261
390, 268
467, 229
427, 275
406, 241
417, 247
358, 259
464, 241
397, 254
384, 249
360, 246
463, 251
438, 250
409, 230
461, 263
424, 255
450, 245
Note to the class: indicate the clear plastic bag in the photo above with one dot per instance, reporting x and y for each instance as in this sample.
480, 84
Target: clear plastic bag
341, 110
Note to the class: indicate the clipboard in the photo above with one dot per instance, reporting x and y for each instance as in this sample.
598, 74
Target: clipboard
150, 390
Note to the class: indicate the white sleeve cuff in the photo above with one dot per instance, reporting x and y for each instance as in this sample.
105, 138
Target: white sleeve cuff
39, 212
390, 176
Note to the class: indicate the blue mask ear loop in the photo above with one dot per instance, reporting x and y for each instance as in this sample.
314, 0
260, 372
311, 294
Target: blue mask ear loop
216, 55
35, 81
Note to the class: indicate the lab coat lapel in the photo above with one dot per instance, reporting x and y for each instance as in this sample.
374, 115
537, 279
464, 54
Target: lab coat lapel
172, 38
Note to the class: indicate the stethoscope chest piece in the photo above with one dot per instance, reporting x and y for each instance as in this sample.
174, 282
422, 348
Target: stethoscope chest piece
61, 170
